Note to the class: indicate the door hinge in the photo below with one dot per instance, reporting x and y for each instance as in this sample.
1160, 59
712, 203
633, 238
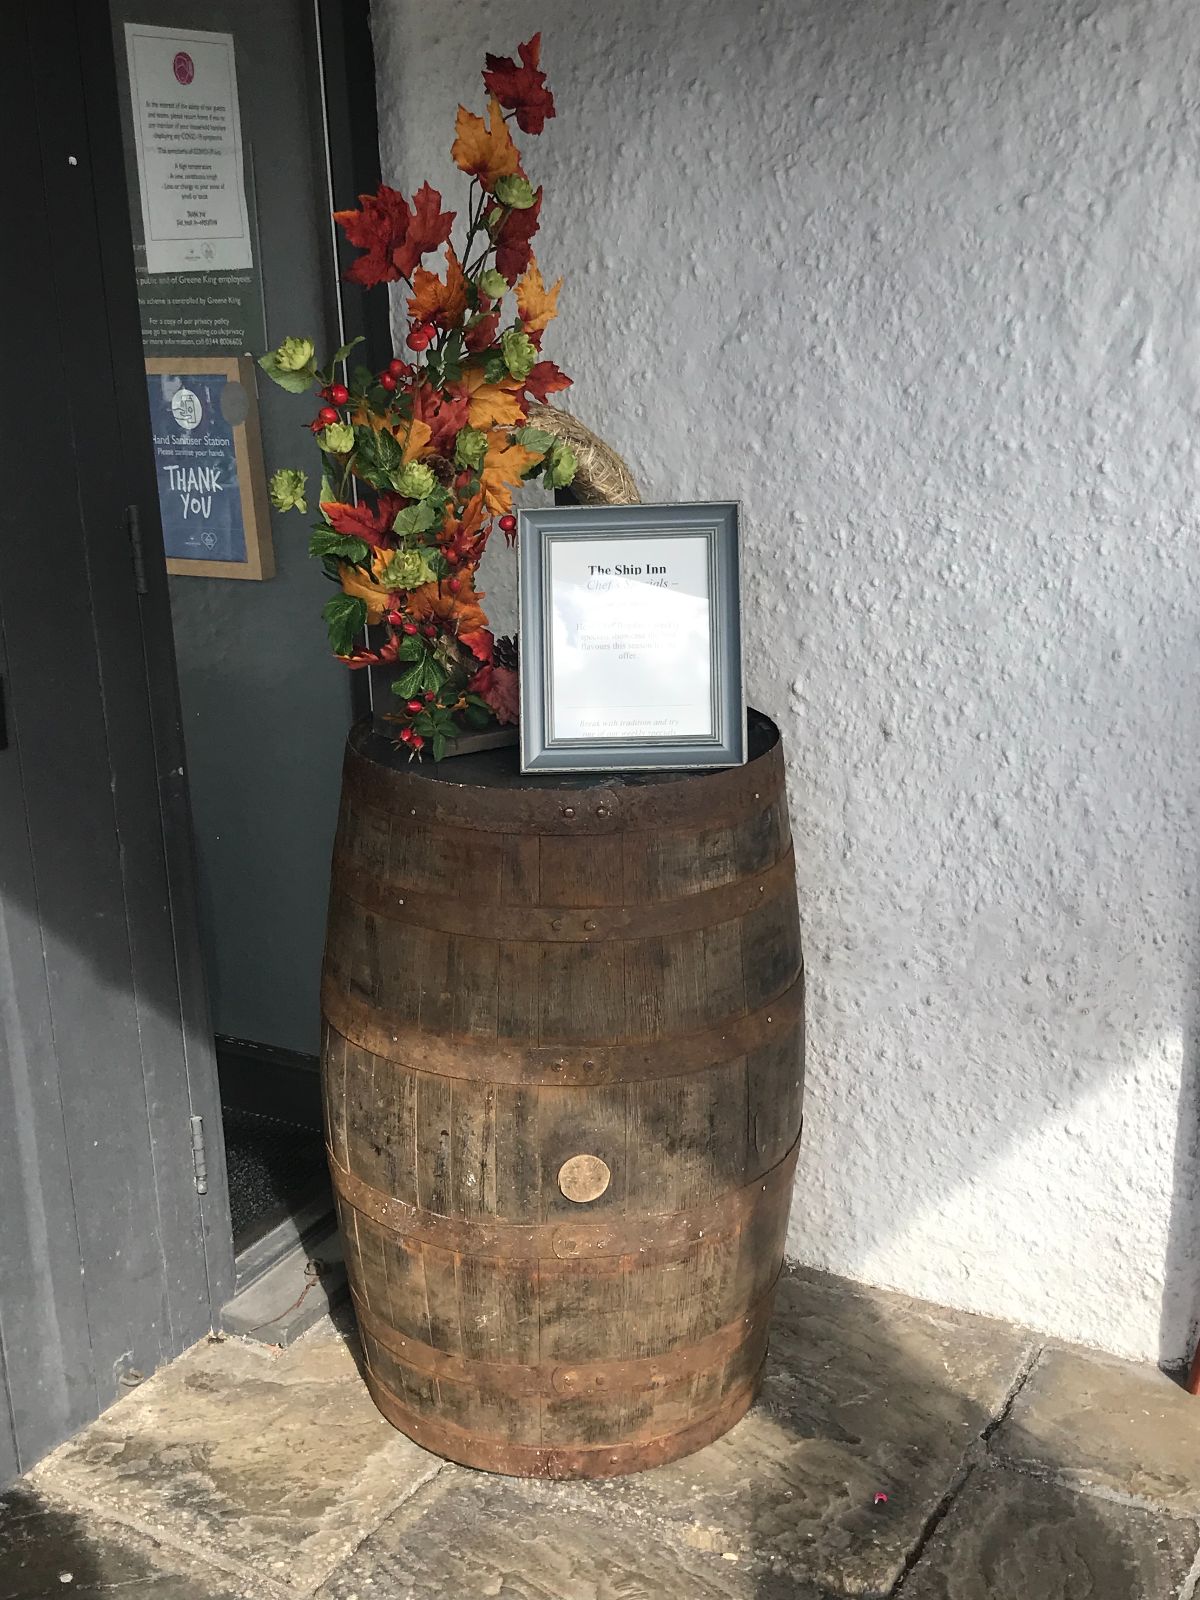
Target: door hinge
133, 527
199, 1156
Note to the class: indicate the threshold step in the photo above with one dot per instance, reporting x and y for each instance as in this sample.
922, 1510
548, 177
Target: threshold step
282, 1303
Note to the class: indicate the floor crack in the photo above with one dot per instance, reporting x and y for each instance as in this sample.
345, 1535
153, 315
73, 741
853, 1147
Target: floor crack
975, 1455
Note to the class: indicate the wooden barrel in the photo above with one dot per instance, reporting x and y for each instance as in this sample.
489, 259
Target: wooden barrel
563, 1075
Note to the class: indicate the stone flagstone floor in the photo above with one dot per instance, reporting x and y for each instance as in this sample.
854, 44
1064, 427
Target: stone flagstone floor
1013, 1470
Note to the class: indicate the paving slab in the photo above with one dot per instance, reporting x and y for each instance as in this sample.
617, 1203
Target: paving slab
49, 1553
470, 1535
1011, 1537
274, 1464
1097, 1422
866, 1393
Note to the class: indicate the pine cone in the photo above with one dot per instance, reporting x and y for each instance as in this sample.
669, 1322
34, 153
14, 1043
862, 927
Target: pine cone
505, 652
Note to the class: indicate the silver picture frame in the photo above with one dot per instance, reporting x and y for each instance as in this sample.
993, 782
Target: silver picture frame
557, 546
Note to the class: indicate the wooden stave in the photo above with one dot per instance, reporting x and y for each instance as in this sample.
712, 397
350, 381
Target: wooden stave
537, 1071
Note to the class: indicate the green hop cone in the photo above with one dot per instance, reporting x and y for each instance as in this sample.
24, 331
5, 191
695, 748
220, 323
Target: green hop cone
494, 284
519, 352
415, 481
560, 466
294, 355
338, 439
408, 569
470, 448
287, 490
514, 192
293, 366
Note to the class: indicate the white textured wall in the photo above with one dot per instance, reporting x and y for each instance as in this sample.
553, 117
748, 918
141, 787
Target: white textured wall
917, 282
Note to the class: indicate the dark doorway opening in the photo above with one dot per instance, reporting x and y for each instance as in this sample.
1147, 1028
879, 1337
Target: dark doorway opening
286, 114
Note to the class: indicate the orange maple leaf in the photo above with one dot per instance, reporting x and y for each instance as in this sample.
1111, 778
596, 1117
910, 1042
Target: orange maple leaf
357, 583
503, 468
492, 405
537, 304
486, 153
458, 613
417, 439
432, 298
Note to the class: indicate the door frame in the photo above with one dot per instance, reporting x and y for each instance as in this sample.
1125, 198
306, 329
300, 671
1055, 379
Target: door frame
99, 684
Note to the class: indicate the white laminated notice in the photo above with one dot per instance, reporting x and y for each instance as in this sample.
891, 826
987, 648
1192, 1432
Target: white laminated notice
188, 133
631, 623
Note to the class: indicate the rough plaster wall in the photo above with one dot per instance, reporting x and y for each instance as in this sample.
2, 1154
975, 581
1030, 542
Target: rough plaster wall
917, 282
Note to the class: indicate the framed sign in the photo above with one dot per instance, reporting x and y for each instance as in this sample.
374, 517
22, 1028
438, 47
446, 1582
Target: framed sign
208, 460
630, 638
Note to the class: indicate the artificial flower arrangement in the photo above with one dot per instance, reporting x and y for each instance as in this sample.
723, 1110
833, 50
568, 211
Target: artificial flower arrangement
421, 456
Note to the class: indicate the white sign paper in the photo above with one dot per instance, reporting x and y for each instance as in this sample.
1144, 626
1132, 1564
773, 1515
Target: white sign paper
632, 638
188, 131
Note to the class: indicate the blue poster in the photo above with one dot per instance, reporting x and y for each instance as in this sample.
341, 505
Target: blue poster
192, 419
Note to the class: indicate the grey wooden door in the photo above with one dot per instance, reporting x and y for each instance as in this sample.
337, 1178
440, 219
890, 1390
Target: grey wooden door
111, 1262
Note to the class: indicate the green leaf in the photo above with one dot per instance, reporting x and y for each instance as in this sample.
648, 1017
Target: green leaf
294, 380
477, 716
417, 519
361, 379
412, 648
409, 683
439, 746
389, 457
345, 617
434, 675
344, 350
325, 542
535, 439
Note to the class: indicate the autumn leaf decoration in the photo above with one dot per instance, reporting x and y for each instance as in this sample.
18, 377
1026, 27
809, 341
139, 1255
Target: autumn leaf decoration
420, 457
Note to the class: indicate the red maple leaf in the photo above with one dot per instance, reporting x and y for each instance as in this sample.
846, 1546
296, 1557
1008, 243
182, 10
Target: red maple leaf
374, 658
371, 524
479, 642
483, 333
445, 411
512, 241
521, 88
545, 379
428, 229
379, 227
